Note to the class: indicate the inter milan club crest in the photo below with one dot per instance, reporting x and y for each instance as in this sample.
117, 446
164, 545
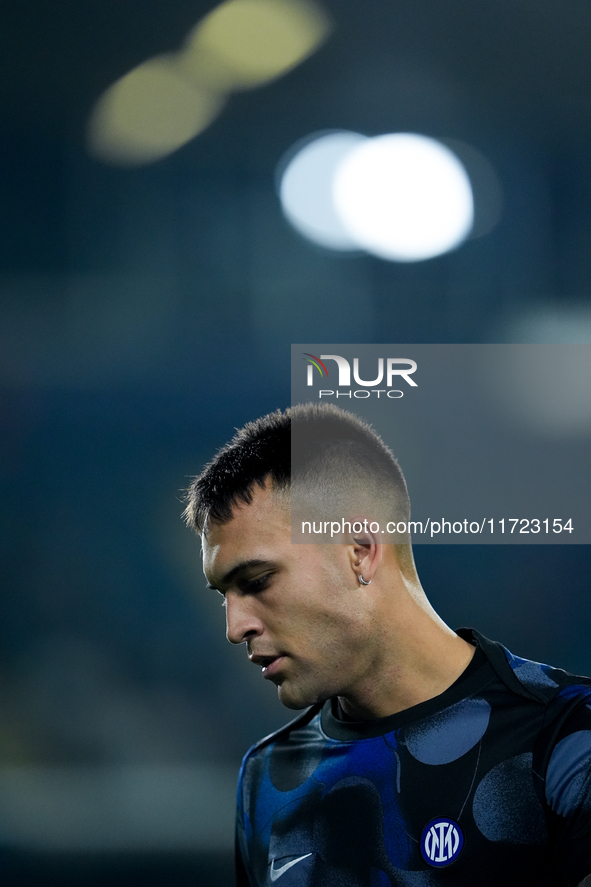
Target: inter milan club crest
441, 842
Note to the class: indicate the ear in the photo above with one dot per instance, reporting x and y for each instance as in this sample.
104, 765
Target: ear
365, 554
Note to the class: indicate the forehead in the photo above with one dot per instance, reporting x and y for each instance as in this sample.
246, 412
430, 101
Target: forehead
260, 530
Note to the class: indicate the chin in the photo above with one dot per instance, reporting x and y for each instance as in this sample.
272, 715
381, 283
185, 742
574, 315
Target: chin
294, 702
298, 701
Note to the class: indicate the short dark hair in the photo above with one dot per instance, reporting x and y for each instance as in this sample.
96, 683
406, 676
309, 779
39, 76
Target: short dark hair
259, 450
330, 447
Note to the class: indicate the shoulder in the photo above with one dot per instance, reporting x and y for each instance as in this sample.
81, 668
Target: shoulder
554, 688
305, 725
562, 751
561, 711
565, 750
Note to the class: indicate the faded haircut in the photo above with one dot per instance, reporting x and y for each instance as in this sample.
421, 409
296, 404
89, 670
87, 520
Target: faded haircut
325, 455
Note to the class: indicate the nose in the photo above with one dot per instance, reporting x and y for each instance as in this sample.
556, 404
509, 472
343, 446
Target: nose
242, 623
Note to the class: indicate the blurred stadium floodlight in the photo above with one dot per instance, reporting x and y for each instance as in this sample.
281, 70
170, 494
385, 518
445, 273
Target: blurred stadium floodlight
149, 113
166, 101
402, 197
242, 44
305, 177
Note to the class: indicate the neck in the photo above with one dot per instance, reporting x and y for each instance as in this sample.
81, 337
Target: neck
413, 658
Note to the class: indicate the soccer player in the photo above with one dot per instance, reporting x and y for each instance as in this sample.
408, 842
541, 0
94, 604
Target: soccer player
424, 756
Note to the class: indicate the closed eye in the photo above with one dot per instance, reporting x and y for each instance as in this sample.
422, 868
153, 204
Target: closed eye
251, 586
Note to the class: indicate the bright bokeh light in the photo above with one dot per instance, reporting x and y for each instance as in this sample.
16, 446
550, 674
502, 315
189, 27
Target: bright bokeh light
168, 100
245, 43
305, 188
149, 113
403, 197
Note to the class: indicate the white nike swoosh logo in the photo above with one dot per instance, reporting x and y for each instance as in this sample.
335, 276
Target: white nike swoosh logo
276, 873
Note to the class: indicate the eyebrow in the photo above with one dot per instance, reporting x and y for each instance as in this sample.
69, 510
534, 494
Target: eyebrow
240, 567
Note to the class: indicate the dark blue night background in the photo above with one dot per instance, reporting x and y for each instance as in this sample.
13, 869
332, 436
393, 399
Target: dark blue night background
146, 312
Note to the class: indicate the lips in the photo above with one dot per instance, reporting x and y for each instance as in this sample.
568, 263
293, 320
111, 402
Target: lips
270, 664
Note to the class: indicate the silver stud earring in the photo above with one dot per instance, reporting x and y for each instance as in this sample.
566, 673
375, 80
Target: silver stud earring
362, 580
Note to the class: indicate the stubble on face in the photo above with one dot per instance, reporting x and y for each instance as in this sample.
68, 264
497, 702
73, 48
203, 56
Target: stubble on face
305, 610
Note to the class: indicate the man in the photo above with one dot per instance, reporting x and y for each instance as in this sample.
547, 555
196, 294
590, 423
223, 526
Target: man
425, 756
